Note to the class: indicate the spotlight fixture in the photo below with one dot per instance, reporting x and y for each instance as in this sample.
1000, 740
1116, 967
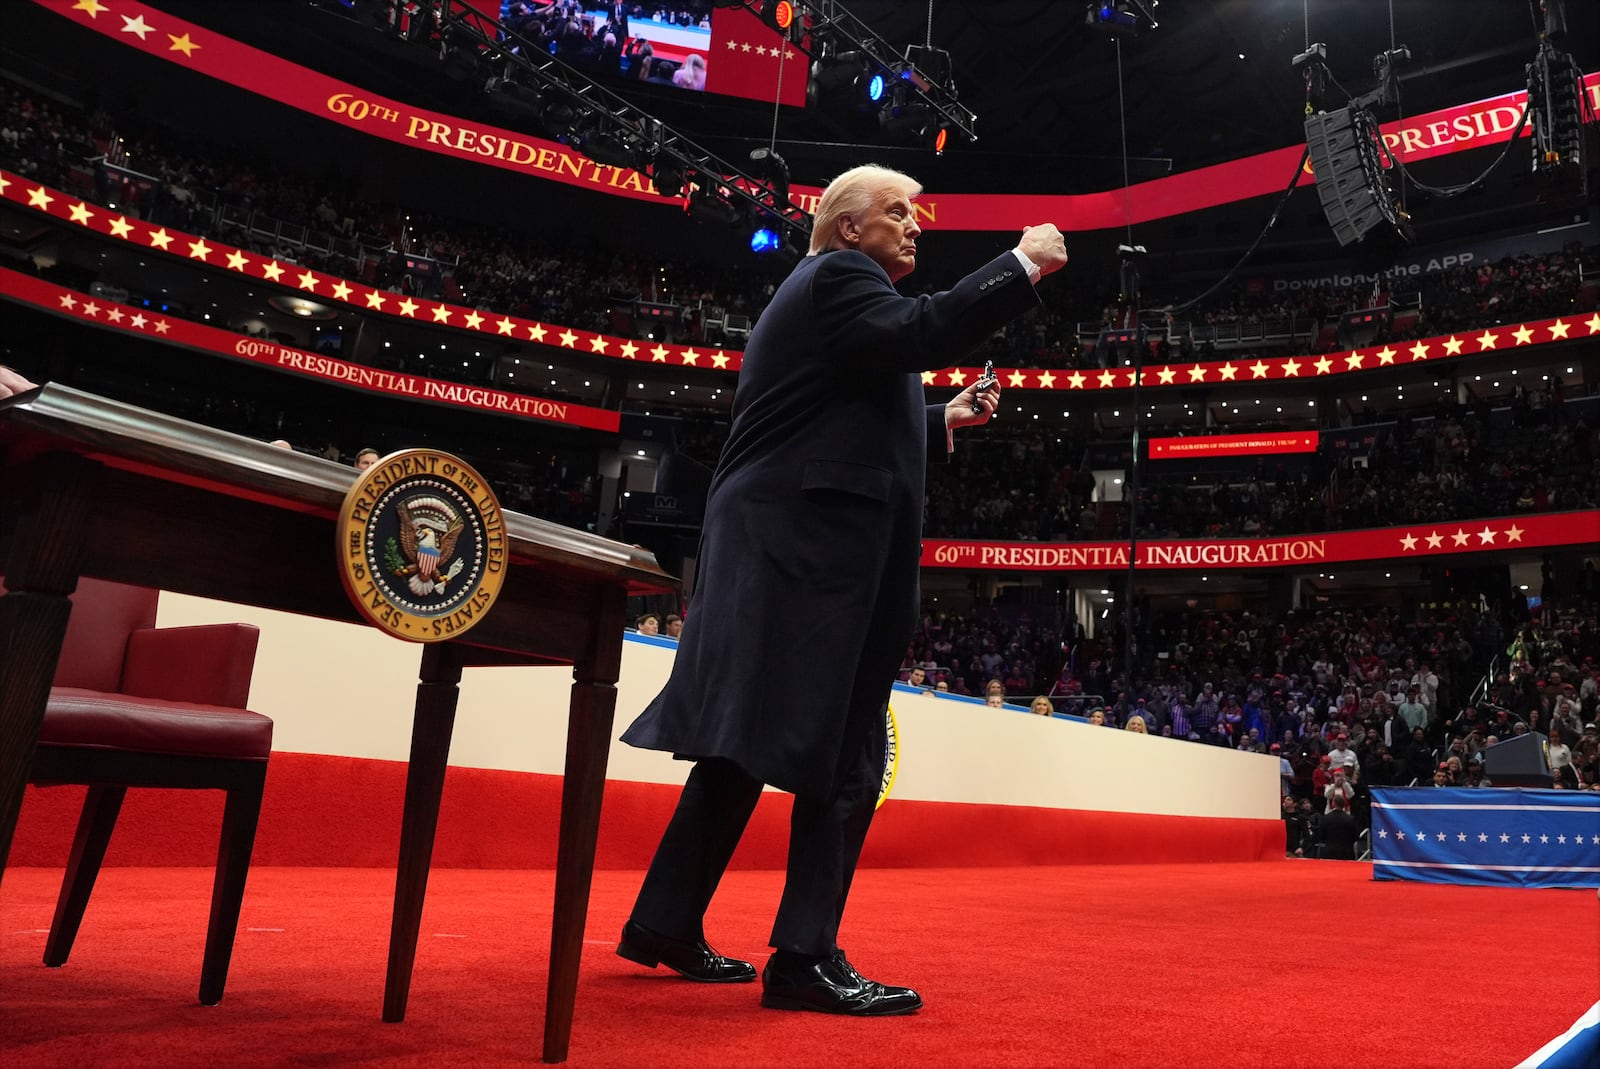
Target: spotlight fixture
601, 141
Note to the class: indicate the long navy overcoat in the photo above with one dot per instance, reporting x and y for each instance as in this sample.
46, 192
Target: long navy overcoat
810, 551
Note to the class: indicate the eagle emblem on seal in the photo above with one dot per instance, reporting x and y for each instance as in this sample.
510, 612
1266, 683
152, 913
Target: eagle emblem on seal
429, 527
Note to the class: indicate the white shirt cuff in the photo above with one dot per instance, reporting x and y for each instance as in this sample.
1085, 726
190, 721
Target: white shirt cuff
1027, 265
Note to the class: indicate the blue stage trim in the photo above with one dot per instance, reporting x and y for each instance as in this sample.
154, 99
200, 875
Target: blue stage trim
1578, 1048
1488, 836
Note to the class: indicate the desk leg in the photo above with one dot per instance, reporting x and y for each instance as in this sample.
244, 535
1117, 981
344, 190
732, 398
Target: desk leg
430, 754
42, 569
594, 701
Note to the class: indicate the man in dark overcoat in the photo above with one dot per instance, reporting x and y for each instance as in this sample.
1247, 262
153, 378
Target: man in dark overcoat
810, 554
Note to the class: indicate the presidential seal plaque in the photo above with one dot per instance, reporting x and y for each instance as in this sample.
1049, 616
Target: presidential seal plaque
422, 545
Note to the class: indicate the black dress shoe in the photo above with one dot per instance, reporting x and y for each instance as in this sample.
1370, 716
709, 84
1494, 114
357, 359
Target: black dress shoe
696, 960
831, 985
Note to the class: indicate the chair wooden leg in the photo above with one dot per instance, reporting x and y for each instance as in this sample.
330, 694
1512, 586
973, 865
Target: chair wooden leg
99, 816
239, 818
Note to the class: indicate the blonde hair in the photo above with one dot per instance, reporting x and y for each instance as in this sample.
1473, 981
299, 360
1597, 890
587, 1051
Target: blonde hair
1049, 706
1139, 721
852, 194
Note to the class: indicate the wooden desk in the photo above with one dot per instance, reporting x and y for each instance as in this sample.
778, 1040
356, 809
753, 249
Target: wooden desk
99, 488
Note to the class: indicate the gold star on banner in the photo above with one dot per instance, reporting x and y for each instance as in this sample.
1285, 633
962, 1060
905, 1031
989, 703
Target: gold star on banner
958, 377
597, 344
745, 46
658, 355
80, 212
273, 270
68, 301
1166, 375
183, 44
568, 338
1419, 351
160, 239
1409, 542
1106, 379
138, 320
1015, 378
474, 320
39, 198
375, 300
162, 326
1513, 533
1435, 539
137, 25
1323, 365
1353, 362
93, 7
199, 250
341, 290
1047, 380
91, 309
732, 43
1452, 346
1524, 334
114, 314
1486, 340
1197, 374
308, 281
537, 332
4, 183
1486, 536
1132, 378
1386, 355
927, 378
629, 348
1228, 372
1460, 537
505, 325
441, 313
1291, 369
120, 227
691, 357
719, 359
1075, 380
408, 307
1258, 370
1593, 323
1558, 329
761, 50
236, 260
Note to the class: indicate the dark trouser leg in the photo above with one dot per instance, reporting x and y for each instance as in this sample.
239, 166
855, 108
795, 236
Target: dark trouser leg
712, 812
825, 840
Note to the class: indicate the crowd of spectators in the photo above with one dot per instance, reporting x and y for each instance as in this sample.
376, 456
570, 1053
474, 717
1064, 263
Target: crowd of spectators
1346, 699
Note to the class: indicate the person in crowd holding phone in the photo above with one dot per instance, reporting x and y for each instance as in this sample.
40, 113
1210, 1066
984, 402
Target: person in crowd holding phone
812, 540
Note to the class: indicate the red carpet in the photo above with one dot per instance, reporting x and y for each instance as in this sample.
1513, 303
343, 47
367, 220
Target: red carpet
1279, 964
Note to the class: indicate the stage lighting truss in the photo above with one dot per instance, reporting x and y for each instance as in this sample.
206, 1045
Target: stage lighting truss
847, 53
522, 79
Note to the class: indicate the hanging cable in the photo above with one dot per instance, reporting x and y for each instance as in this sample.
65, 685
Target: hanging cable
1454, 191
1122, 117
1283, 198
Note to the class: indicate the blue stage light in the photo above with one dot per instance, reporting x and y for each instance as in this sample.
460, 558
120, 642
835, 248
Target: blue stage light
765, 239
875, 88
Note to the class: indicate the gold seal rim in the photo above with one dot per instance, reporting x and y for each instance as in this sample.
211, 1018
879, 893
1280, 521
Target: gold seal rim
366, 493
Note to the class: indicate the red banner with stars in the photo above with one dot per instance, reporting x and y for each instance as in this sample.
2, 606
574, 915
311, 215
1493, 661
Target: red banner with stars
1478, 124
140, 321
1389, 544
368, 300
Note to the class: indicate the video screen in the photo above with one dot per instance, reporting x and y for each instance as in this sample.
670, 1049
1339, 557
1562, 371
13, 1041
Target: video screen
685, 44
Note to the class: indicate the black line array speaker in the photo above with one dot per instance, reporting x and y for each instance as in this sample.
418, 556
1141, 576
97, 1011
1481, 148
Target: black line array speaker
1344, 158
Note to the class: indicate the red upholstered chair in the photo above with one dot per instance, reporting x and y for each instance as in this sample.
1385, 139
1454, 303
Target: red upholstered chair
133, 705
